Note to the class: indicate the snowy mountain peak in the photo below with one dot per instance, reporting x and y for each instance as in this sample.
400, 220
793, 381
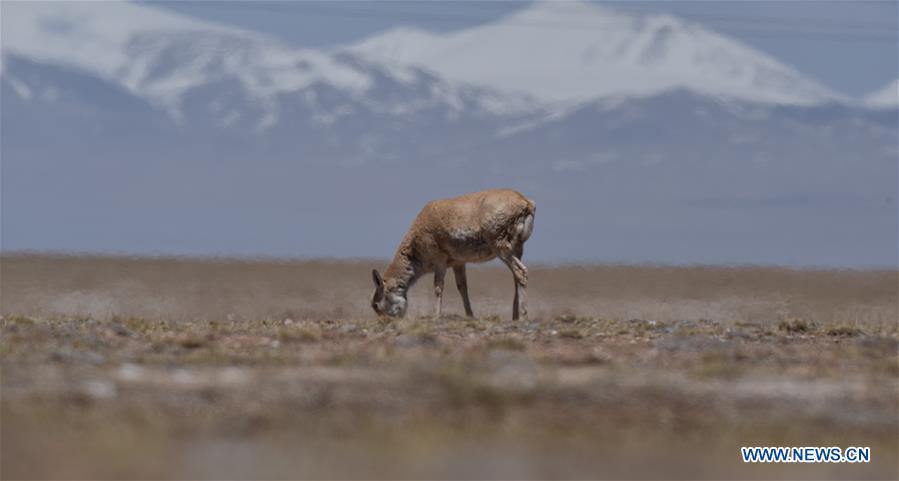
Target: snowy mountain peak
885, 97
159, 55
90, 35
163, 57
563, 51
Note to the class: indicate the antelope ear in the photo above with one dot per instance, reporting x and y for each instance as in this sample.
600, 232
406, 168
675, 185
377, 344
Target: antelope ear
376, 276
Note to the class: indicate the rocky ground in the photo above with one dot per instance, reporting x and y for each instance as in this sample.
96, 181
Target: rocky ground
319, 395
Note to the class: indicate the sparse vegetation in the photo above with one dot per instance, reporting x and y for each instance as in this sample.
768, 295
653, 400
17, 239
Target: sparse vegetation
795, 325
843, 331
109, 364
509, 343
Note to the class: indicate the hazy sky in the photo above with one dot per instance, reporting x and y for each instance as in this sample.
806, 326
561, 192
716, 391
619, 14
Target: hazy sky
849, 46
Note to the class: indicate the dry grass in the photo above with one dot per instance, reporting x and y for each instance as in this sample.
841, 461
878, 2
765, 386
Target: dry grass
190, 369
179, 289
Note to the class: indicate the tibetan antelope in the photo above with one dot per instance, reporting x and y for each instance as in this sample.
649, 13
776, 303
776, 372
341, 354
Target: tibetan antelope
475, 227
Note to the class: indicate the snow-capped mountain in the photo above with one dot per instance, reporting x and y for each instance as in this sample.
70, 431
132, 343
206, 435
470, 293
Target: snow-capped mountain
161, 57
886, 97
574, 50
125, 127
158, 55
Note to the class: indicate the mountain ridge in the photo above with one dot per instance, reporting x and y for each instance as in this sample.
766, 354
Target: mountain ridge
162, 56
579, 51
209, 141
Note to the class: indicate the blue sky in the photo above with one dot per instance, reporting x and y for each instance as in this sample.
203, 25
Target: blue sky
849, 46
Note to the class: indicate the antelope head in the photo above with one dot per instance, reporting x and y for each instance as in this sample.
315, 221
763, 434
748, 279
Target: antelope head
385, 300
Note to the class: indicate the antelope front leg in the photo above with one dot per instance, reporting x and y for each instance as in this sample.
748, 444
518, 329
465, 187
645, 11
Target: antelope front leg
439, 274
462, 285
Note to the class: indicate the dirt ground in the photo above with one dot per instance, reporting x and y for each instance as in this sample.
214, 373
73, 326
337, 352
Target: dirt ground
167, 368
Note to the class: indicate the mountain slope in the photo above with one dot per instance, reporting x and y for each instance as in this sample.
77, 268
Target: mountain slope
577, 50
161, 57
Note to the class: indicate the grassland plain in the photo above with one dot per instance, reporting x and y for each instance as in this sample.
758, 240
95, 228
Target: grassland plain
116, 367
